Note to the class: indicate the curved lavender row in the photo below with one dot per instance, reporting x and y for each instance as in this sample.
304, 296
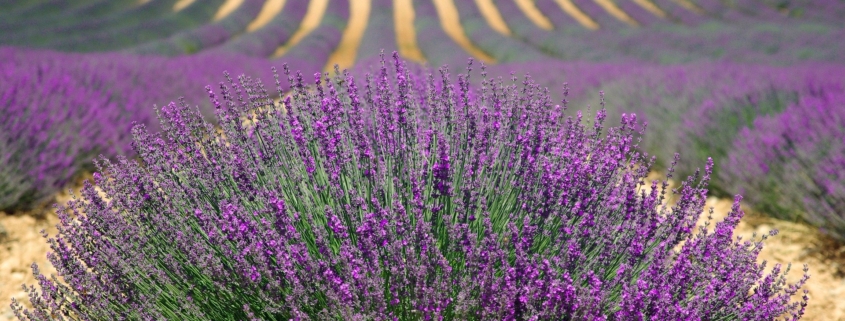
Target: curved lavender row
735, 42
204, 36
685, 16
559, 19
439, 49
312, 53
263, 42
552, 43
795, 161
517, 21
21, 11
504, 49
760, 10
44, 140
58, 13
701, 108
713, 7
150, 29
830, 11
599, 15
61, 110
43, 37
381, 31
640, 15
378, 204
20, 8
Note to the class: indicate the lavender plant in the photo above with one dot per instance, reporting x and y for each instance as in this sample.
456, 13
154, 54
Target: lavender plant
794, 161
408, 198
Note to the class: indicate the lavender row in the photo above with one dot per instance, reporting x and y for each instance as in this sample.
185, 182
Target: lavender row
437, 47
795, 161
204, 36
380, 33
58, 13
264, 41
502, 48
312, 53
114, 37
132, 15
763, 42
401, 197
61, 110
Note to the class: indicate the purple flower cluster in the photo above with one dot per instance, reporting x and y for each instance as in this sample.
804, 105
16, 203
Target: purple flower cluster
403, 197
795, 161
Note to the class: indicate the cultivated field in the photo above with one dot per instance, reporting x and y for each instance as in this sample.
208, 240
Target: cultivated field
472, 160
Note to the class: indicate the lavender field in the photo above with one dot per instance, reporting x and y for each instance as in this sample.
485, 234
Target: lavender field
422, 160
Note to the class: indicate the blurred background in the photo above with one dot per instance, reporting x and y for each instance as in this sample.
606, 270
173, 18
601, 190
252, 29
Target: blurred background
755, 84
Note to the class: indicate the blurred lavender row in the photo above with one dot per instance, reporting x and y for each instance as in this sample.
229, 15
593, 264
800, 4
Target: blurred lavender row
794, 162
62, 110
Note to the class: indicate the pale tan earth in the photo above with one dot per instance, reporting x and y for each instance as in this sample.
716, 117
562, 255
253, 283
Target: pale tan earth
19, 248
798, 244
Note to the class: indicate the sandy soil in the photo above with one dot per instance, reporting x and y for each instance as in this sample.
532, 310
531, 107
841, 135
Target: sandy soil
798, 244
795, 243
21, 246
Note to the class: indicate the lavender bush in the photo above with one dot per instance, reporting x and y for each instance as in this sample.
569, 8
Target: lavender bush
795, 161
404, 199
